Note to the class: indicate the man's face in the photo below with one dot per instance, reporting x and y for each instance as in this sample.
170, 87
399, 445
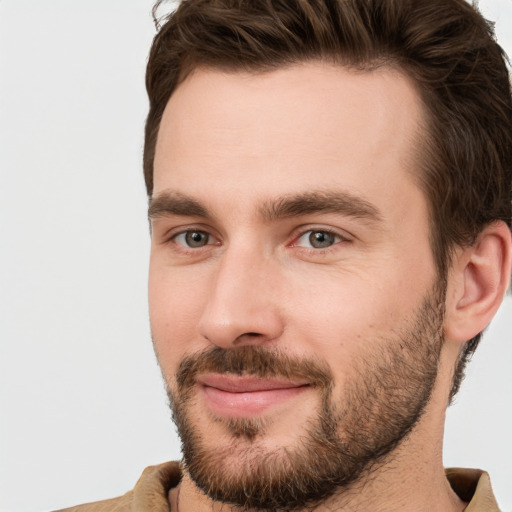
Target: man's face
293, 296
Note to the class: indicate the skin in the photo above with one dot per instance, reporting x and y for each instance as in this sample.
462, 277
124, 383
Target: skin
235, 142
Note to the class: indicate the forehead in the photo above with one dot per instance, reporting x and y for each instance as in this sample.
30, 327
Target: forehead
310, 125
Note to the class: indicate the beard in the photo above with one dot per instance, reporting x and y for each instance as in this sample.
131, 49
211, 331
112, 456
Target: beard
348, 437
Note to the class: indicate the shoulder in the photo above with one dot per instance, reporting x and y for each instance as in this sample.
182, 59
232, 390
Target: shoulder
120, 504
150, 492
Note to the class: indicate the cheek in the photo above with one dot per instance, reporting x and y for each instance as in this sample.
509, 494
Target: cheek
344, 300
342, 315
174, 311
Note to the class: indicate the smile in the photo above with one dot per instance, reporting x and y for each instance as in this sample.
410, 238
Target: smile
242, 397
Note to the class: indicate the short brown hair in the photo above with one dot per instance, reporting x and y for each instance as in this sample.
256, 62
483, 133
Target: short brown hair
445, 46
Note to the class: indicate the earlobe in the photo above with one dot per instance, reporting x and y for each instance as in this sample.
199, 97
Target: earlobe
477, 283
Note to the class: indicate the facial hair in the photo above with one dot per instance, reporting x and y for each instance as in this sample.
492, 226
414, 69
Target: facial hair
380, 405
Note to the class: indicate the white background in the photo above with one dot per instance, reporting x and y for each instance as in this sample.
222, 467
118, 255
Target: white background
82, 406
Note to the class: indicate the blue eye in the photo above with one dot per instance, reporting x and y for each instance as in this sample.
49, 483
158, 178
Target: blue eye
318, 239
193, 239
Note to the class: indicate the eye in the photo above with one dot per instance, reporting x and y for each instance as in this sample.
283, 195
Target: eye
193, 239
318, 239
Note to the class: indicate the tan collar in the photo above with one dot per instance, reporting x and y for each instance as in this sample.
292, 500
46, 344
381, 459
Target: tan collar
473, 486
151, 492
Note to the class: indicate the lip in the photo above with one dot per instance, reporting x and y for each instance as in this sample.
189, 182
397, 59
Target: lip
246, 396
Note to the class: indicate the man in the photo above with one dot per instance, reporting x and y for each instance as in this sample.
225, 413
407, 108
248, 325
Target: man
330, 205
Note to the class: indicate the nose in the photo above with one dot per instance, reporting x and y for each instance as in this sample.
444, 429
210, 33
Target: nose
242, 306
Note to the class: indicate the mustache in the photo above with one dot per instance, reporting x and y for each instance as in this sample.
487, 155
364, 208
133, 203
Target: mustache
252, 361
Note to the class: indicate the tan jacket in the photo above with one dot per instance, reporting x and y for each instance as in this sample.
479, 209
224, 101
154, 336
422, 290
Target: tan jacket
150, 493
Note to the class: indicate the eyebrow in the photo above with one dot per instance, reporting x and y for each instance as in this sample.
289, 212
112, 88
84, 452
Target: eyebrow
293, 205
175, 203
332, 201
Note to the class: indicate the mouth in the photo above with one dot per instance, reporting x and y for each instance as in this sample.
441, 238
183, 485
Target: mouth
246, 396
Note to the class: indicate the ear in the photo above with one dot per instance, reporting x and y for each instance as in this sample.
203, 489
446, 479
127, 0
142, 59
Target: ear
477, 282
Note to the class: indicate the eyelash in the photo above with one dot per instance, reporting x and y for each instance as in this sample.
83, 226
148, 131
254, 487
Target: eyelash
296, 237
301, 233
170, 239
